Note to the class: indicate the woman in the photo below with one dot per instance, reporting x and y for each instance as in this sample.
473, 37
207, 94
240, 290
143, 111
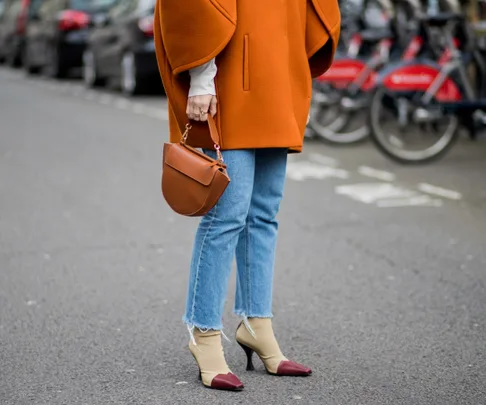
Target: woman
249, 64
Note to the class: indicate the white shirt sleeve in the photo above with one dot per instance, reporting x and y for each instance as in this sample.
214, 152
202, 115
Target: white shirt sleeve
202, 79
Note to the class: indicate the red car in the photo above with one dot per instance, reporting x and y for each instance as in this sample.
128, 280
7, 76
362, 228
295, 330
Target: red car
13, 21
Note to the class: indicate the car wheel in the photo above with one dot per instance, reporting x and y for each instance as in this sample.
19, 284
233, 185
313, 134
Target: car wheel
130, 83
91, 77
28, 67
13, 58
55, 67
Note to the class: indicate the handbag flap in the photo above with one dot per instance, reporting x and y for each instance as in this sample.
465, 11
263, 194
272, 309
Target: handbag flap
190, 162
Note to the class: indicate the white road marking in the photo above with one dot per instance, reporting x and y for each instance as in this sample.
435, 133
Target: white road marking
122, 103
377, 174
322, 159
156, 113
439, 191
105, 99
138, 108
369, 193
77, 91
419, 200
302, 170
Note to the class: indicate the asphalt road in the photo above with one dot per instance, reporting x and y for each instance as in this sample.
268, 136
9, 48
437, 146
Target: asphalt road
380, 288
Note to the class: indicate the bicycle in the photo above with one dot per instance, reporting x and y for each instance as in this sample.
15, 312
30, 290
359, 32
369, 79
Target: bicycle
343, 93
426, 101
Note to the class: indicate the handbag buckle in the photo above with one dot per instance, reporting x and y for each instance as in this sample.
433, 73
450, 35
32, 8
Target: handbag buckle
186, 132
218, 152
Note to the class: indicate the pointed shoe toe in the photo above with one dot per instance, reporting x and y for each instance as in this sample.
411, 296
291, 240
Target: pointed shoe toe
228, 382
293, 369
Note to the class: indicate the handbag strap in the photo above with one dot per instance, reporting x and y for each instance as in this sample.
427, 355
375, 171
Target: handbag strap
213, 131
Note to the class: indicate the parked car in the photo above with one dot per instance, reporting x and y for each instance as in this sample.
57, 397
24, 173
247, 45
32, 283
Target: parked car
57, 33
2, 7
121, 48
13, 19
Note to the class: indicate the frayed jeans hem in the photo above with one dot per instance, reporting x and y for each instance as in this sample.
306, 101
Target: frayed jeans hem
243, 314
200, 326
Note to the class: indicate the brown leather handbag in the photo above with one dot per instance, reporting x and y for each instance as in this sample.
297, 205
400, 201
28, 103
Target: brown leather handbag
192, 182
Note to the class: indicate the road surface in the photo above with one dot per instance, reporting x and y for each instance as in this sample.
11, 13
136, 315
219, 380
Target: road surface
381, 269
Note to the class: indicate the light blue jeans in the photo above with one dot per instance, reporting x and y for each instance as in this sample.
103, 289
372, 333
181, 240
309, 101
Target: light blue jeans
243, 223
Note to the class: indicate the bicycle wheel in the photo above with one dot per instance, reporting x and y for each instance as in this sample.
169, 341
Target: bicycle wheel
407, 132
327, 117
356, 129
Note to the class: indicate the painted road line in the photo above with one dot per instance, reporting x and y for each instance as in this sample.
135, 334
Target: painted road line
122, 103
138, 108
105, 99
322, 159
377, 174
157, 114
302, 170
421, 200
439, 191
90, 96
370, 193
77, 91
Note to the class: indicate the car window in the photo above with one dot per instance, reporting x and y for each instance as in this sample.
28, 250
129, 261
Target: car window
87, 5
34, 7
45, 9
146, 5
123, 9
102, 4
14, 9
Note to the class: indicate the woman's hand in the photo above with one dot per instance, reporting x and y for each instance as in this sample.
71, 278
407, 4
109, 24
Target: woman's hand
198, 107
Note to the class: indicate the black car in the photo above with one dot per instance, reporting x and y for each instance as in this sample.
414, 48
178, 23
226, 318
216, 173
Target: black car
121, 48
57, 33
13, 19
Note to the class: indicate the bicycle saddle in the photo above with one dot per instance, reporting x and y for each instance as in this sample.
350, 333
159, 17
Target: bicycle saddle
442, 19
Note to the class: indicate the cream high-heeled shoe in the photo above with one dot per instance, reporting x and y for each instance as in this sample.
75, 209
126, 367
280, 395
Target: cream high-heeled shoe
209, 355
261, 340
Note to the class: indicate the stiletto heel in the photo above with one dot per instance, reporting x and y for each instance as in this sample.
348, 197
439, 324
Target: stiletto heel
267, 349
249, 357
200, 377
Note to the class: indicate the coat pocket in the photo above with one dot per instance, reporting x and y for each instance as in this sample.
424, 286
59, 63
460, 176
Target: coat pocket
246, 63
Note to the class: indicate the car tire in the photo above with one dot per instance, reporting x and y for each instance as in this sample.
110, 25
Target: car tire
130, 82
91, 76
29, 69
13, 58
55, 68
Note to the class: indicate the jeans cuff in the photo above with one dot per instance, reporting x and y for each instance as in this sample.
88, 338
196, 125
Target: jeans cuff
202, 327
244, 314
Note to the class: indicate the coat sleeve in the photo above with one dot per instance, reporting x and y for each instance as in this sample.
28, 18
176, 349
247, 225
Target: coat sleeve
193, 32
323, 28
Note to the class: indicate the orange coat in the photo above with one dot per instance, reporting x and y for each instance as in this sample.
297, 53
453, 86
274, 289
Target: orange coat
267, 52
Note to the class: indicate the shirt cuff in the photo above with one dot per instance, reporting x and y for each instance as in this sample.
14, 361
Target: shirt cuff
202, 79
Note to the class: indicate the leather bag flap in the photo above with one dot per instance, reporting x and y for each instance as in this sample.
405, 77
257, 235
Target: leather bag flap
191, 163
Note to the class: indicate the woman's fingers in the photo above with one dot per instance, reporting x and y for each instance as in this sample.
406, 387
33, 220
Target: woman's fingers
198, 107
213, 106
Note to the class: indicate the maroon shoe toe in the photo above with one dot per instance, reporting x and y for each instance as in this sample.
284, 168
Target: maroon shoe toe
293, 369
228, 382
